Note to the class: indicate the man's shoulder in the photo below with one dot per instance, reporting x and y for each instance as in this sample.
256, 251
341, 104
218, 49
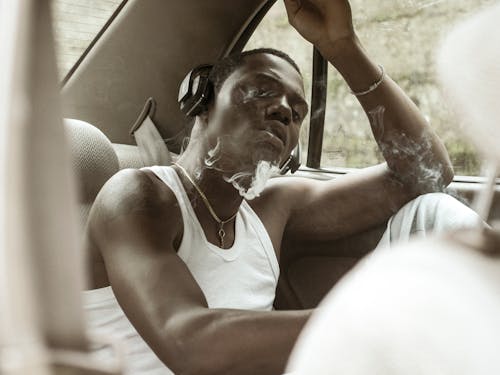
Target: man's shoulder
287, 185
285, 191
134, 214
133, 191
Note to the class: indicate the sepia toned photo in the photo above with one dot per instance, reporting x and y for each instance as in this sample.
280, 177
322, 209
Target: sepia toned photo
249, 187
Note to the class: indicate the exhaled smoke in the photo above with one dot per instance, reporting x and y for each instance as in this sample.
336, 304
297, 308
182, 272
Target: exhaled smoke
249, 182
214, 155
426, 173
251, 93
377, 120
263, 172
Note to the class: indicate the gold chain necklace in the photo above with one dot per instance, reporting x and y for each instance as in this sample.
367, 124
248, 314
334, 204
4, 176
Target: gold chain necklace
221, 232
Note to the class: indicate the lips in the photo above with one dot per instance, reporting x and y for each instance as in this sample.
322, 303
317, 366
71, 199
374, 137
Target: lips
275, 129
271, 138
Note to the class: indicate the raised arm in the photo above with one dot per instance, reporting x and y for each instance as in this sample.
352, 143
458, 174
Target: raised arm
136, 224
417, 161
408, 144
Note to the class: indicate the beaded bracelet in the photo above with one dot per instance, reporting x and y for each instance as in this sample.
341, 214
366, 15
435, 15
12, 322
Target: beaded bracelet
372, 87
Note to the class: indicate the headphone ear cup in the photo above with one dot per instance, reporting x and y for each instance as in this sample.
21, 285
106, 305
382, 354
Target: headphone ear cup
201, 98
292, 164
195, 91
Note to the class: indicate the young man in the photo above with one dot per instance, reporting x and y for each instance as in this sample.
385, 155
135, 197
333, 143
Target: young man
192, 263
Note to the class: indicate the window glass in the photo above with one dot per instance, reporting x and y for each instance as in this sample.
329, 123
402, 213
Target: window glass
76, 23
403, 37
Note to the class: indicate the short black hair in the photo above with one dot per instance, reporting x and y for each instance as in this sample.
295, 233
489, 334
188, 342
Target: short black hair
225, 66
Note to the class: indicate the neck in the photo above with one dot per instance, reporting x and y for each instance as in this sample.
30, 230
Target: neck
222, 196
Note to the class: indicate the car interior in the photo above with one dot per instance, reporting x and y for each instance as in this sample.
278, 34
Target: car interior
120, 107
143, 52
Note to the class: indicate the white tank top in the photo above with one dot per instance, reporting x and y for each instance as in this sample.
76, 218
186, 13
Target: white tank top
241, 277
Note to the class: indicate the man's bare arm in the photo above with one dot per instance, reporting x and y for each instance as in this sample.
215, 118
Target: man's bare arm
417, 161
416, 157
135, 222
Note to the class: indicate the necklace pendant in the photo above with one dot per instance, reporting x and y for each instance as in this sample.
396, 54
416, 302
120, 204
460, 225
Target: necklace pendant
221, 234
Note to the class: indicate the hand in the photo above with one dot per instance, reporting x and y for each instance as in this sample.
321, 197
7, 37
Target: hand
321, 22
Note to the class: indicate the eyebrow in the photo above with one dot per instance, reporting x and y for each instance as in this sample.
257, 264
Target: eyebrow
273, 77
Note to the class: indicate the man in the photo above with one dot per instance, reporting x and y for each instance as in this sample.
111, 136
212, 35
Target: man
192, 263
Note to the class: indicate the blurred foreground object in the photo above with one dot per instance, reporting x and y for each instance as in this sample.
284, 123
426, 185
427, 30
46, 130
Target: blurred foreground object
430, 306
468, 64
41, 267
427, 307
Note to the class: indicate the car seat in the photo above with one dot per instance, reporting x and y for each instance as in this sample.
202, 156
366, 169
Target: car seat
94, 161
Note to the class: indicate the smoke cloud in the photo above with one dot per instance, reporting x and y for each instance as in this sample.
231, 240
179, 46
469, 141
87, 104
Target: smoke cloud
250, 182
420, 153
263, 172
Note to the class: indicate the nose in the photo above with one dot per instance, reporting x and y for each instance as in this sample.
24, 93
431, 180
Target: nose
279, 110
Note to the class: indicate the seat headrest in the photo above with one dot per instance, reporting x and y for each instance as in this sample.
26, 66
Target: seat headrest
94, 159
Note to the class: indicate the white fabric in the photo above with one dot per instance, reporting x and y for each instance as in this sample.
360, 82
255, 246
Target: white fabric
152, 147
428, 213
106, 318
468, 72
415, 308
242, 277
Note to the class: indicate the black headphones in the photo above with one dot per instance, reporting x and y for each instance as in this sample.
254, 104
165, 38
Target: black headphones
195, 93
292, 164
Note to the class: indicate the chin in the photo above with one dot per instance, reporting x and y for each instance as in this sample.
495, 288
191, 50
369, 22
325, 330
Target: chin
268, 153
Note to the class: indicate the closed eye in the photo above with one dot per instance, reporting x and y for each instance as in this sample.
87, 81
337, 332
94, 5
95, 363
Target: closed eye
262, 93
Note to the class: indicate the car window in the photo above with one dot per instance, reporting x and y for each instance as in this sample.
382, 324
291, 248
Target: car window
76, 23
403, 37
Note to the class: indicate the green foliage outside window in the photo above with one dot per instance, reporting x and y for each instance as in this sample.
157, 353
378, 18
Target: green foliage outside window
403, 36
